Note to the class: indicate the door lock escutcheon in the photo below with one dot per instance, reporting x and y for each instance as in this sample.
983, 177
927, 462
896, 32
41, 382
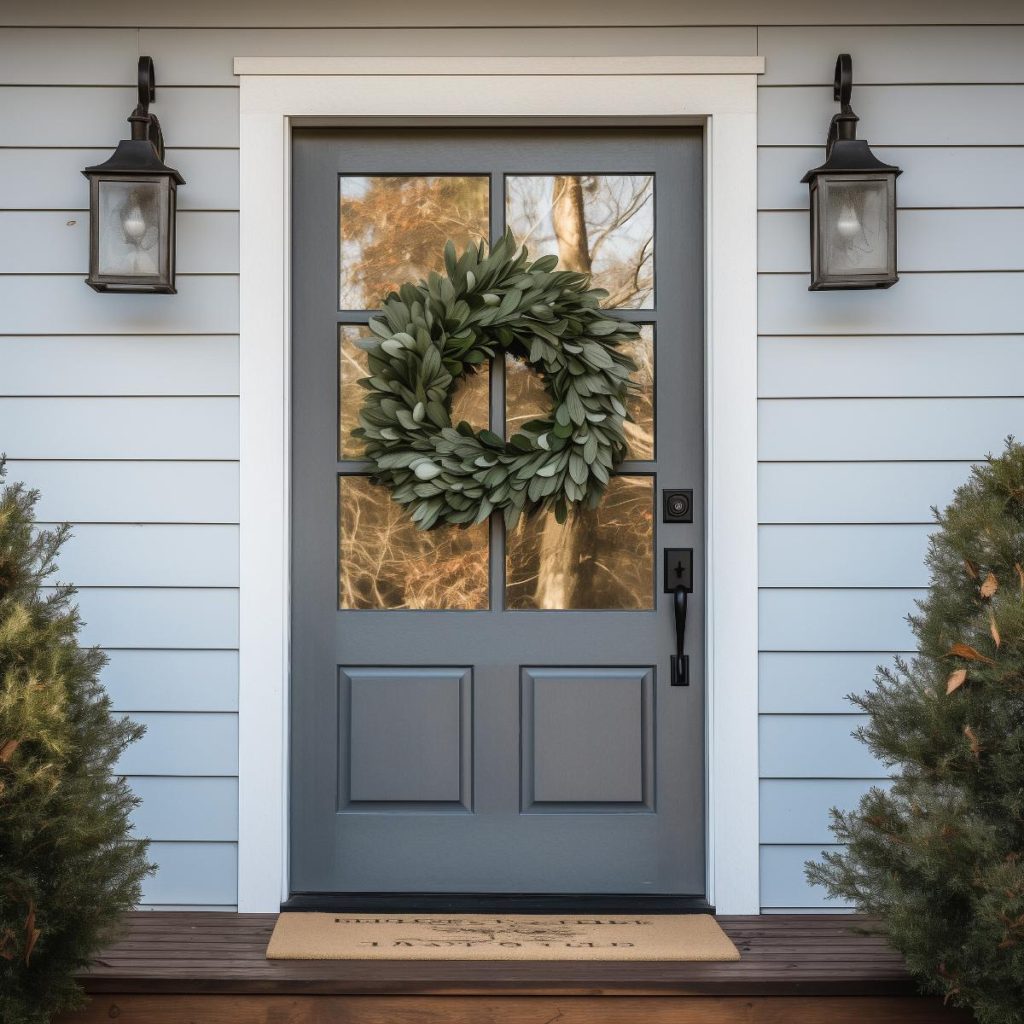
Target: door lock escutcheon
677, 505
678, 569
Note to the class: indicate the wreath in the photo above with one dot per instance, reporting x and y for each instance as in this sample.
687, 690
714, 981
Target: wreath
431, 334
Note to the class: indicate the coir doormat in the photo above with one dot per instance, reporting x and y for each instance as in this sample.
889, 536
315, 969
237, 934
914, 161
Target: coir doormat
313, 936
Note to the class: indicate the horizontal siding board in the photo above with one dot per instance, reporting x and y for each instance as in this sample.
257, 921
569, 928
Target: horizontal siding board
843, 556
56, 242
866, 429
192, 874
95, 117
127, 365
181, 809
783, 883
164, 618
797, 810
890, 367
172, 680
954, 303
138, 555
66, 305
932, 176
68, 56
866, 492
897, 115
456, 13
835, 620
929, 240
183, 744
131, 491
119, 428
815, 682
815, 746
51, 179
804, 55
204, 57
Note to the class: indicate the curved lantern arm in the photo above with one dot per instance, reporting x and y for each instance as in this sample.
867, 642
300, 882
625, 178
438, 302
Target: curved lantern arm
844, 124
144, 124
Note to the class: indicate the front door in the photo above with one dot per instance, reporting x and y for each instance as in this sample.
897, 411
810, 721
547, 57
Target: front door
481, 710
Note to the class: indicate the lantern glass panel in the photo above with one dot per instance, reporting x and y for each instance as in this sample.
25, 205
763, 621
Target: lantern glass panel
856, 215
133, 221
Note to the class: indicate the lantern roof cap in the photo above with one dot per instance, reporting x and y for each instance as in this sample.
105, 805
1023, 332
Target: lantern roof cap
135, 156
851, 156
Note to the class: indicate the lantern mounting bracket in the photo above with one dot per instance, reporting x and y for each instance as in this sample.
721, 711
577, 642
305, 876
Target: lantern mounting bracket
146, 126
844, 124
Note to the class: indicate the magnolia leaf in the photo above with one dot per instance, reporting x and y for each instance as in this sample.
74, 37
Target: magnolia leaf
956, 680
960, 650
994, 629
7, 750
1020, 574
989, 586
972, 569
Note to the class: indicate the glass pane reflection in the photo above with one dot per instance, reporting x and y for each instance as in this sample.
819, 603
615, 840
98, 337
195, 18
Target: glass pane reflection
525, 398
471, 401
393, 228
600, 224
385, 562
602, 559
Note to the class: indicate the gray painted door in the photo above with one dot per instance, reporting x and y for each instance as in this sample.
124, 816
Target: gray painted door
473, 712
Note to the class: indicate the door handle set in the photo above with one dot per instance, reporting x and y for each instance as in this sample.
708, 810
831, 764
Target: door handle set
679, 583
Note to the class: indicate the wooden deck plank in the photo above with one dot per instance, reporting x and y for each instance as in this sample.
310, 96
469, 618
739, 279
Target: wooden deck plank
222, 954
509, 1010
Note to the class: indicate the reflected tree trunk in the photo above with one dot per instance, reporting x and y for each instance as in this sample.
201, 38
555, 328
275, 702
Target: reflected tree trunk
567, 553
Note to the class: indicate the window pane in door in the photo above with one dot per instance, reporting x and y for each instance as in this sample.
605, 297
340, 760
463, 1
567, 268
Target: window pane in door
599, 224
392, 229
525, 398
601, 559
471, 401
385, 562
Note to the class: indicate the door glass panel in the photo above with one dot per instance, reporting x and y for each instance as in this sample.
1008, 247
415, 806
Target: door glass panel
392, 229
471, 401
526, 400
601, 559
385, 562
600, 224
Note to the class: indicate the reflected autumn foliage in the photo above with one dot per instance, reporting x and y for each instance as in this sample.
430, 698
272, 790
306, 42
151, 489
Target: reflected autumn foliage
393, 229
599, 559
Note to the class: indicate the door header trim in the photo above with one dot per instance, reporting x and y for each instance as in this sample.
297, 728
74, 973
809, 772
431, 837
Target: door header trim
501, 66
635, 90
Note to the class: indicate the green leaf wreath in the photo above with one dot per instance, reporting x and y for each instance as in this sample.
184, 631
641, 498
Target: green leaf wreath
431, 334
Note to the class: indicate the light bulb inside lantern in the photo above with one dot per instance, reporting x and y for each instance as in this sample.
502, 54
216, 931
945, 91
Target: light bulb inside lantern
848, 224
133, 223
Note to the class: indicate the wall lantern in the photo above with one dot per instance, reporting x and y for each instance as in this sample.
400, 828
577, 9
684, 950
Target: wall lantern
853, 204
132, 205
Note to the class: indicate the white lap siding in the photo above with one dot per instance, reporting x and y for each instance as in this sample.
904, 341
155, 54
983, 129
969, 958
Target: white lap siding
123, 409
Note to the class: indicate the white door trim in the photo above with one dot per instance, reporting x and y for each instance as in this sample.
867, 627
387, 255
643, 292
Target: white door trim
719, 93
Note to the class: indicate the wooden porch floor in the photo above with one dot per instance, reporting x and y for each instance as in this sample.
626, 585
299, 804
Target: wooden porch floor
210, 968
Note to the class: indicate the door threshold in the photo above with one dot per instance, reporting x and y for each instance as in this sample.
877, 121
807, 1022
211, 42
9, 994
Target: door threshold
495, 903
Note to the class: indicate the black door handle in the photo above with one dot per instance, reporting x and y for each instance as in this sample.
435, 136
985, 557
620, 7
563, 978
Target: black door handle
680, 660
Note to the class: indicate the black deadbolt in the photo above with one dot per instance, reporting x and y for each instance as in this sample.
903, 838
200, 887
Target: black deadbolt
677, 506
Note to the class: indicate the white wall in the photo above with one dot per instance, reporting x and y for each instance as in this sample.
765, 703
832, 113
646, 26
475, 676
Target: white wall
124, 409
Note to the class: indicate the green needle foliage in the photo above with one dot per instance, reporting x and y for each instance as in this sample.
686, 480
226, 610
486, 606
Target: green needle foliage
940, 856
68, 864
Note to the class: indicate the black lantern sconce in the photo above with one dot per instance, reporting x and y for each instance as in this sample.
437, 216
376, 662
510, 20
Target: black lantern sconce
853, 204
132, 206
